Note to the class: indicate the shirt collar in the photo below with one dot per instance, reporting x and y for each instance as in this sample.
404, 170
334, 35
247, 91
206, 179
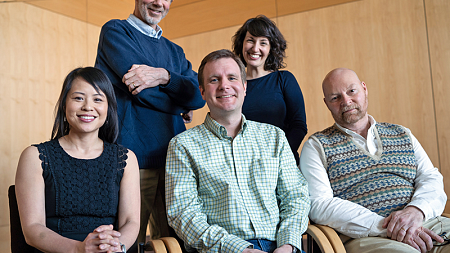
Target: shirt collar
144, 27
372, 123
219, 130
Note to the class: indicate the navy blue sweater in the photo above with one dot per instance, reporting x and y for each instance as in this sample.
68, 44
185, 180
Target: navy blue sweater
276, 99
151, 118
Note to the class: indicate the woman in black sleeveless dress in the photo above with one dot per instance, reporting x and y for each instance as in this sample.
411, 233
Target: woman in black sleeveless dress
79, 192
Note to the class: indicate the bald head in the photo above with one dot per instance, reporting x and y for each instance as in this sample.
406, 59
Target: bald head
338, 75
346, 97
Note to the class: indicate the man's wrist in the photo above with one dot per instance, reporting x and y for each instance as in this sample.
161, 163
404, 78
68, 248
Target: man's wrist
165, 78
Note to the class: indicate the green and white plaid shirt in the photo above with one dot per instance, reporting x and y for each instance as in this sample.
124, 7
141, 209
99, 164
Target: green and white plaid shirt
222, 191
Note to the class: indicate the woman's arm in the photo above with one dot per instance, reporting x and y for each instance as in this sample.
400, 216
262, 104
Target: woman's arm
30, 195
295, 112
129, 202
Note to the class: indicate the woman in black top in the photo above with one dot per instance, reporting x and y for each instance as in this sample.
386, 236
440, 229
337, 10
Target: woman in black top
79, 192
273, 96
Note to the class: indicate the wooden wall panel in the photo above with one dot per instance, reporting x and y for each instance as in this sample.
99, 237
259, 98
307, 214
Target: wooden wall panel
180, 3
6, 84
213, 14
73, 8
38, 49
439, 36
100, 12
93, 33
285, 7
385, 43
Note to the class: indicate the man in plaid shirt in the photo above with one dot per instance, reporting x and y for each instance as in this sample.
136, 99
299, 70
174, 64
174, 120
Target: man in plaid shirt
232, 185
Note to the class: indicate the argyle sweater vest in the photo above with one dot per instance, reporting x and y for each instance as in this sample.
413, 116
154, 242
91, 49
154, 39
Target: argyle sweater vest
383, 183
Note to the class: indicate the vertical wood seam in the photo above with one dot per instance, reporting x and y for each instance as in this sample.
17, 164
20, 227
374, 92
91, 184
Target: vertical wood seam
432, 85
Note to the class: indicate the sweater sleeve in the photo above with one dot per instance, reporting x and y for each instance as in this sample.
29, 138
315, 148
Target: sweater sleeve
183, 87
295, 112
118, 50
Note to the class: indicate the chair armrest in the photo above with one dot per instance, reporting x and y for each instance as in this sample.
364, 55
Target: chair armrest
158, 246
320, 238
172, 244
333, 238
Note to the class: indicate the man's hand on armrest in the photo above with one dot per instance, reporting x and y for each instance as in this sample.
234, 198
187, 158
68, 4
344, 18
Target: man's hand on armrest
406, 226
141, 77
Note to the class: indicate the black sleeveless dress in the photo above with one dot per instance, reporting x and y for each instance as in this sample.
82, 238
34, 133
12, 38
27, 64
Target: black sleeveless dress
81, 194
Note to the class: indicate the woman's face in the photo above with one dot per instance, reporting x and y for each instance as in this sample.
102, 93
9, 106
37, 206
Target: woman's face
255, 50
86, 109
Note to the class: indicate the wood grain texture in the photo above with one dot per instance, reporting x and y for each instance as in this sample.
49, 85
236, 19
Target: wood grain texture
74, 8
180, 3
187, 17
100, 12
38, 49
438, 22
385, 43
285, 7
212, 15
93, 33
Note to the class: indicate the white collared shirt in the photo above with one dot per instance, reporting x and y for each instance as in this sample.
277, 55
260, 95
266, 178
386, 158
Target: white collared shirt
144, 27
355, 220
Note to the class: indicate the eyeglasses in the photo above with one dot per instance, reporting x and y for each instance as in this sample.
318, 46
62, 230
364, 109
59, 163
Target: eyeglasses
443, 235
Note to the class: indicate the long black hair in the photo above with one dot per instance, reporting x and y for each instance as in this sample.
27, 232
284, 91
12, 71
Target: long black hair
95, 77
262, 26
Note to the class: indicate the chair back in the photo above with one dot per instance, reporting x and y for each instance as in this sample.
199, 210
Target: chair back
18, 243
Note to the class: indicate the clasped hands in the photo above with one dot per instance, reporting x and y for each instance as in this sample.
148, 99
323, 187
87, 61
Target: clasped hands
406, 226
140, 77
102, 239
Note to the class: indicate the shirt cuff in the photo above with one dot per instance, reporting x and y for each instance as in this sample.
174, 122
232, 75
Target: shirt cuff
425, 208
235, 244
291, 239
377, 228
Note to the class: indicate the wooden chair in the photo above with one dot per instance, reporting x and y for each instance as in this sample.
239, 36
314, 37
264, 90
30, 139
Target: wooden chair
315, 233
166, 245
334, 240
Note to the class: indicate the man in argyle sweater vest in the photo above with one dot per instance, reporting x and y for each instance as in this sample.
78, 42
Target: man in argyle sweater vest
372, 182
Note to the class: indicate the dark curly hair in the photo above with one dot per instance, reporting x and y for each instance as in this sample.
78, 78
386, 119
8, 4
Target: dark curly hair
261, 26
95, 77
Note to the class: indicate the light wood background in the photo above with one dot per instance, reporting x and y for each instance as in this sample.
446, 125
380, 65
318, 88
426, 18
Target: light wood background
398, 47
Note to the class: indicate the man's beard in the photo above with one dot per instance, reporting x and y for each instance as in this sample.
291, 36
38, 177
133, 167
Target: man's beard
353, 117
151, 20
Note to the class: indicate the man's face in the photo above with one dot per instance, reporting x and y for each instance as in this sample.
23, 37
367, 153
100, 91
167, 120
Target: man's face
346, 98
152, 11
223, 89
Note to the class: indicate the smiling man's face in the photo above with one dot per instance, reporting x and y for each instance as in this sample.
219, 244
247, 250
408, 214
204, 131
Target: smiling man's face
152, 11
223, 89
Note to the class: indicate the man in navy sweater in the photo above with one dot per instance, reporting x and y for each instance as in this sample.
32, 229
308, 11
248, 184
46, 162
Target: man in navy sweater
155, 88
